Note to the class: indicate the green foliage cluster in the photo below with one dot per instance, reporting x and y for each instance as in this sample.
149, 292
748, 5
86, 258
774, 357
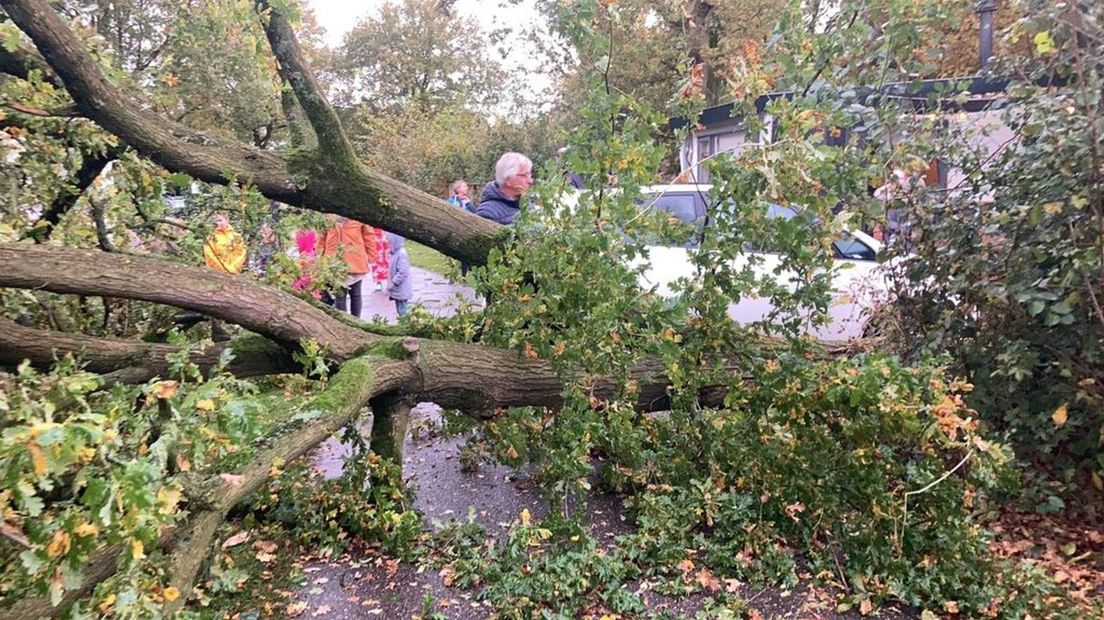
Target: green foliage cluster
367, 502
872, 472
87, 465
1004, 270
551, 570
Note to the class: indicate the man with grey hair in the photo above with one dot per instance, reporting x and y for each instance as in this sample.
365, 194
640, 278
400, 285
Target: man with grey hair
501, 199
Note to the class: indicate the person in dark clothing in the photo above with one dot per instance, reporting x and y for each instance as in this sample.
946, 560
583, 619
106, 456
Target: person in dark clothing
501, 199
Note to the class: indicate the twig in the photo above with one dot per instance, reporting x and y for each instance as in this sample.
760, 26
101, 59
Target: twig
930, 486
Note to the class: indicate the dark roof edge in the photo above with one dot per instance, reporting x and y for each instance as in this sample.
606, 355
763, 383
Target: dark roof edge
922, 94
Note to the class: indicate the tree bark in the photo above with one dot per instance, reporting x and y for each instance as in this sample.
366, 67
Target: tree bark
128, 361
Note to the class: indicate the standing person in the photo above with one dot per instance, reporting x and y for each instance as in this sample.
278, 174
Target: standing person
501, 201
399, 274
458, 196
223, 251
357, 244
267, 247
382, 259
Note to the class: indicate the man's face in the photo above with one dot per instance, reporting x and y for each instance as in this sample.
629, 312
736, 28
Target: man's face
518, 184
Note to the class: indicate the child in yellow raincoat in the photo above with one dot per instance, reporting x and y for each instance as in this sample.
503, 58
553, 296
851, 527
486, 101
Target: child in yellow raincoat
225, 249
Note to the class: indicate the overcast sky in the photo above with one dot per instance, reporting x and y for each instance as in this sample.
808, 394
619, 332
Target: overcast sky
339, 16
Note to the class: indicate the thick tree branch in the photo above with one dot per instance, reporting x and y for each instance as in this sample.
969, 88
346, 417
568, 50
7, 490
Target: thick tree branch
332, 182
333, 144
341, 402
130, 361
173, 145
383, 201
91, 168
267, 311
474, 378
21, 61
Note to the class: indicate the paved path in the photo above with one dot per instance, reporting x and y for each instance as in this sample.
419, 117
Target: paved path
433, 291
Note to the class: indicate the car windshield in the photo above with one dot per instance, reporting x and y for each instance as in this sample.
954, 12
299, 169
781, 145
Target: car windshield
690, 209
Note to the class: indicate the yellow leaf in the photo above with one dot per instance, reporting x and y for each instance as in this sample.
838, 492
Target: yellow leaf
1044, 44
170, 593
526, 518
1060, 415
87, 529
866, 607
1097, 481
168, 498
511, 453
37, 458
205, 404
107, 603
59, 544
137, 550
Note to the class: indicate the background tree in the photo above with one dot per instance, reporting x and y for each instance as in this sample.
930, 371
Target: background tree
417, 55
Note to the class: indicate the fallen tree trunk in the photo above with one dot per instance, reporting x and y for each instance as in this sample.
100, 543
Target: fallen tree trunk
473, 378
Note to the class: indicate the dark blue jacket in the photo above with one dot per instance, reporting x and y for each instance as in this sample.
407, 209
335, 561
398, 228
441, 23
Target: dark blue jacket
495, 206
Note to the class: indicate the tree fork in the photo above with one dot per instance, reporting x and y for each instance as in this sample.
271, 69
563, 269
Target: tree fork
328, 182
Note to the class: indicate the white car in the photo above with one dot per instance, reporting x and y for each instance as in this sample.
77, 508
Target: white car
858, 284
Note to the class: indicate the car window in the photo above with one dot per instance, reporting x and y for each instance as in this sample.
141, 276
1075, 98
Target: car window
688, 207
778, 211
850, 248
